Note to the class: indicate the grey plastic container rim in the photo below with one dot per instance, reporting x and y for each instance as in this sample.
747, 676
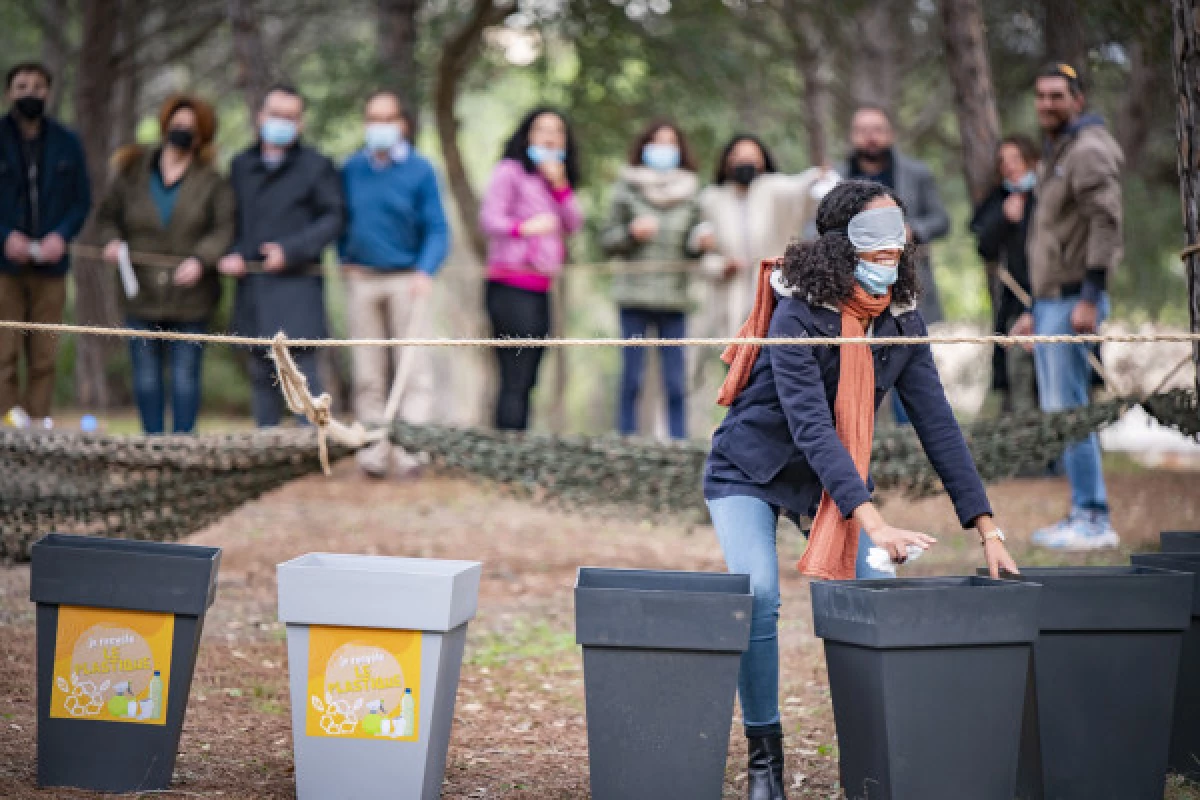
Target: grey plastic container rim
339, 589
908, 613
1111, 598
662, 609
100, 572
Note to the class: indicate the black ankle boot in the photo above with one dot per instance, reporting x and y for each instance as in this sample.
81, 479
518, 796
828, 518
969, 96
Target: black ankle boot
764, 772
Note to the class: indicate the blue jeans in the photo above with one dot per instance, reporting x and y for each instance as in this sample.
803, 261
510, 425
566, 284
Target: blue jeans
669, 325
1064, 379
746, 528
149, 390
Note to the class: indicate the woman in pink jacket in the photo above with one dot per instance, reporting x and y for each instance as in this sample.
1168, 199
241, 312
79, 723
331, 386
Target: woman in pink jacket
528, 211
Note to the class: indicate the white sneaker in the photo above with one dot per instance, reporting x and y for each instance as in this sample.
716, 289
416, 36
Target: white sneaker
1064, 529
1090, 530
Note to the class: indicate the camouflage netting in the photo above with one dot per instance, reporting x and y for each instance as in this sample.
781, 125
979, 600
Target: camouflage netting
163, 488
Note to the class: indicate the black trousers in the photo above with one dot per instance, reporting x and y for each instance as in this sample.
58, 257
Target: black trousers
517, 313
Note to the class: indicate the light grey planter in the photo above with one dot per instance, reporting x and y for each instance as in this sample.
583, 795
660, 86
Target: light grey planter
375, 646
660, 664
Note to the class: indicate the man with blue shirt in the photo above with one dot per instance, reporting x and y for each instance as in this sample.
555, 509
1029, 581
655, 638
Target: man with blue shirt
394, 242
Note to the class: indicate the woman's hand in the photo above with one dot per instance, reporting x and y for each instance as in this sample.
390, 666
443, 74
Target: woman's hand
555, 173
994, 551
542, 224
644, 228
998, 559
112, 251
189, 272
894, 540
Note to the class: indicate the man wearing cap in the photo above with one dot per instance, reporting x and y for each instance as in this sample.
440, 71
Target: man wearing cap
1075, 243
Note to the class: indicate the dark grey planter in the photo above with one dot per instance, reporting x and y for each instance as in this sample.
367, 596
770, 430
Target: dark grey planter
660, 661
927, 676
1184, 756
112, 686
1180, 541
1098, 715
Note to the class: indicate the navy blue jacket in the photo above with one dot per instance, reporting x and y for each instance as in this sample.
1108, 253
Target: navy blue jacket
778, 441
64, 193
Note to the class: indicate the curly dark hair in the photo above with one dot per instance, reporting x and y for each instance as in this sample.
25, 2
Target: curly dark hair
822, 270
517, 146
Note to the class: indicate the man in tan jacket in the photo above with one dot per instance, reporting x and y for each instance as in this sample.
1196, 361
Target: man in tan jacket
1075, 244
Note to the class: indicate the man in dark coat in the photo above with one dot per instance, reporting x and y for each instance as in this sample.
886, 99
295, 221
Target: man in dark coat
289, 208
44, 201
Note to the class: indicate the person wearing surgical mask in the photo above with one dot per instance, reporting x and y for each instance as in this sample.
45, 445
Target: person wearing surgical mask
45, 197
528, 214
169, 200
289, 209
654, 221
1001, 228
393, 245
797, 439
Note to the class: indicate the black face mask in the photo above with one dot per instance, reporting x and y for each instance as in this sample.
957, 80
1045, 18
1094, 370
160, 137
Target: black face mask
181, 138
743, 174
30, 107
872, 155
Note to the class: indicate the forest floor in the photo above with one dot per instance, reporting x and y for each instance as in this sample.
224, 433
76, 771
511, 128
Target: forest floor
519, 727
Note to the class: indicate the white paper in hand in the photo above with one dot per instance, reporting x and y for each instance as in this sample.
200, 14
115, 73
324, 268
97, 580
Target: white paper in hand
129, 281
878, 559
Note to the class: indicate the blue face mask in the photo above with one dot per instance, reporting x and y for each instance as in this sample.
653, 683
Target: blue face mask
875, 279
538, 154
1022, 184
381, 137
660, 156
278, 132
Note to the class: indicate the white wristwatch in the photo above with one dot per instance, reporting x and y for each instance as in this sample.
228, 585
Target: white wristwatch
997, 534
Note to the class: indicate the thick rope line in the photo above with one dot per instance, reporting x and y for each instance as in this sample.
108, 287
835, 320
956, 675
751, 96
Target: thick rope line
520, 343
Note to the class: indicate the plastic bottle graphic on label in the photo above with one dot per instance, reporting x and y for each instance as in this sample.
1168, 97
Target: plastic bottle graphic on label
155, 702
407, 711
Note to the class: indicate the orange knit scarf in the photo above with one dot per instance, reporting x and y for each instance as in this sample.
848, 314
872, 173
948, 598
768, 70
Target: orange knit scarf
833, 542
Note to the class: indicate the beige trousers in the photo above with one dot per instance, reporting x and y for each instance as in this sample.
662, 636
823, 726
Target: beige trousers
380, 305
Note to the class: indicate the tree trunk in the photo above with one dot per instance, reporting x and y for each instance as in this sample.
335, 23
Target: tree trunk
249, 53
55, 51
1186, 63
974, 96
457, 54
127, 89
1063, 31
809, 48
875, 78
95, 291
397, 43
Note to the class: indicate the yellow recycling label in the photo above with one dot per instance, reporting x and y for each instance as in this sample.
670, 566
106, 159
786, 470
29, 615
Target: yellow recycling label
112, 665
363, 683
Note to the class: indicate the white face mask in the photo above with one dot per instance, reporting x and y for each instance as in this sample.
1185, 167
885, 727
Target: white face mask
381, 137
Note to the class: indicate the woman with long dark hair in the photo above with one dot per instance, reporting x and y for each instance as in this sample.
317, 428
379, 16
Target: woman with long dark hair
527, 213
797, 438
653, 219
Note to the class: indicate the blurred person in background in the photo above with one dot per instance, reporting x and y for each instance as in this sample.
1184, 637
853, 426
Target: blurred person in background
528, 211
654, 218
1001, 227
45, 198
393, 245
289, 209
169, 200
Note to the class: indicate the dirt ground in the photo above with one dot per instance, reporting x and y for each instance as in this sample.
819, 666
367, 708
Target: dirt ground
519, 722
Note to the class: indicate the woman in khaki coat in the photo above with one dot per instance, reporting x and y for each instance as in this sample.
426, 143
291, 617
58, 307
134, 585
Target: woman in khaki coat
169, 201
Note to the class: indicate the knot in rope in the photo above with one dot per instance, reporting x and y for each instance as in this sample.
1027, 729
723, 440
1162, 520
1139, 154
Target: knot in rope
317, 410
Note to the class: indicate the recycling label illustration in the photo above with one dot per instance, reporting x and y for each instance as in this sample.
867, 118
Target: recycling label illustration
363, 683
112, 665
